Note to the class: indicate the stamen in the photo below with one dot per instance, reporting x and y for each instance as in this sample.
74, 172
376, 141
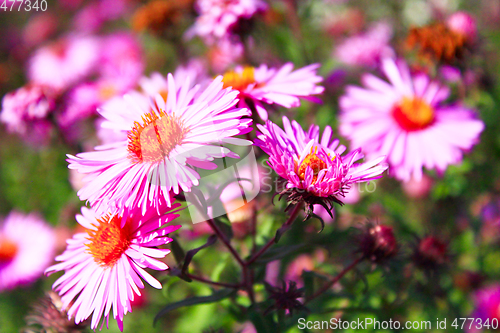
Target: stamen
413, 114
154, 139
109, 241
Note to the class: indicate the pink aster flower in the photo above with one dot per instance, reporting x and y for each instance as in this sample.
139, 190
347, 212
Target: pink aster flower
281, 86
406, 120
312, 167
165, 140
26, 248
104, 265
218, 18
63, 63
366, 49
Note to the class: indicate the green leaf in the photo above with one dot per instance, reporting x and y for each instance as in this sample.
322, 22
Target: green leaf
226, 228
177, 250
196, 300
191, 253
263, 324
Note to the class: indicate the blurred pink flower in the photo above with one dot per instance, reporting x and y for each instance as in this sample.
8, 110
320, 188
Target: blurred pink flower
165, 142
312, 166
65, 62
304, 262
487, 305
27, 107
26, 249
39, 28
282, 86
366, 49
406, 121
218, 18
121, 60
225, 53
104, 265
464, 24
418, 188
91, 18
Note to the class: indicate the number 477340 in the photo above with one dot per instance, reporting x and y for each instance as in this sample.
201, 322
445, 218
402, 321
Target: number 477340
26, 5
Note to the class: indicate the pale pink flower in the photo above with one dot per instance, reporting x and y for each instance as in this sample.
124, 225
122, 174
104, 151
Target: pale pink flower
166, 140
104, 265
312, 166
284, 86
218, 18
26, 248
366, 49
64, 62
225, 53
407, 120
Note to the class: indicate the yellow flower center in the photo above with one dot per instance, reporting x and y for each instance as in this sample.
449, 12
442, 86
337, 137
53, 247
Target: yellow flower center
109, 241
154, 139
413, 114
312, 160
239, 80
8, 250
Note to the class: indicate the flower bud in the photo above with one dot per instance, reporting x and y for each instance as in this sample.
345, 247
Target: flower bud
378, 243
430, 253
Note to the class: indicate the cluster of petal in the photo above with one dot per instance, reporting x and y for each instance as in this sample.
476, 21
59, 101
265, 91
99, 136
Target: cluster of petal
282, 86
289, 150
27, 245
208, 119
25, 105
368, 120
90, 288
218, 17
366, 49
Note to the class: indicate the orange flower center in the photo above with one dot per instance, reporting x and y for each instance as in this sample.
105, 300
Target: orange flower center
239, 80
312, 160
109, 241
154, 139
413, 114
8, 250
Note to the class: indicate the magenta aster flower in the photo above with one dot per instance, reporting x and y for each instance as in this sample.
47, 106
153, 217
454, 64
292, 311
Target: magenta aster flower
27, 246
266, 85
219, 18
407, 121
104, 265
166, 139
312, 168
